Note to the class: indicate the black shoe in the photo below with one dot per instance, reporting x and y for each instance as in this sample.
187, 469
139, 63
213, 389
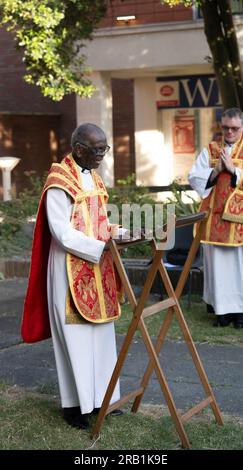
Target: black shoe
210, 308
223, 320
117, 413
112, 413
238, 322
75, 419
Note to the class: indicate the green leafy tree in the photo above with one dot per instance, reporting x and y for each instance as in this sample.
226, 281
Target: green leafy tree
221, 36
50, 35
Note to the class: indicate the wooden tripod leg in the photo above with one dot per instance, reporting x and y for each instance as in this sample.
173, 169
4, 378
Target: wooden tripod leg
190, 258
145, 380
124, 349
198, 364
115, 376
164, 385
185, 330
162, 333
123, 275
187, 335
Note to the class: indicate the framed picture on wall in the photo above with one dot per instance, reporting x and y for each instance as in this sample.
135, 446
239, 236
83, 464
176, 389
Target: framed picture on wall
183, 133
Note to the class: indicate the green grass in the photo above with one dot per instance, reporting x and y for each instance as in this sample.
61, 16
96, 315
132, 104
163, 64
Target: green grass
198, 320
31, 421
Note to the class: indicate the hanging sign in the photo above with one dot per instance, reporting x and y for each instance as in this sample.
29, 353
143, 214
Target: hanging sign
194, 91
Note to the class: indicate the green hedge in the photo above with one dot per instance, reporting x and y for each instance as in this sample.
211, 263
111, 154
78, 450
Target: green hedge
15, 214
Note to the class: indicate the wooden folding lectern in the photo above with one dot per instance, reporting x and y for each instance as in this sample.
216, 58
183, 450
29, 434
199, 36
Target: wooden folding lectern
140, 312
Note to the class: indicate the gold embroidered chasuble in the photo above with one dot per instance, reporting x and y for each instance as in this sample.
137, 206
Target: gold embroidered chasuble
225, 203
93, 288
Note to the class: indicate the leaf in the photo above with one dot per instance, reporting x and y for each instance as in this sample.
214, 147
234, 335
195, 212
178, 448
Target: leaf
50, 34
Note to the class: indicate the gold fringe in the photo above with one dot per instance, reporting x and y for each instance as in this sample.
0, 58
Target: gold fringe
238, 219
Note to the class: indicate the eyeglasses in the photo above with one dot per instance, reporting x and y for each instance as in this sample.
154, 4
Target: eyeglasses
95, 150
233, 129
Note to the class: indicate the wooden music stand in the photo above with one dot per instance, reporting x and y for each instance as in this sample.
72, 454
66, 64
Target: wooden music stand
140, 312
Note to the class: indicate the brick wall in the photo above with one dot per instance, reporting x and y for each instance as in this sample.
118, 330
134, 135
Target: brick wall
146, 11
123, 127
34, 139
32, 127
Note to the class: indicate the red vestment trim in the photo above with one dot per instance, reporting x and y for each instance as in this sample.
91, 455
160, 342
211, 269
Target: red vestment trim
35, 322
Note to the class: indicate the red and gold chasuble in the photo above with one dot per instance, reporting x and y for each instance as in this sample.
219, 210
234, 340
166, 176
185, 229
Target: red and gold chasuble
225, 222
93, 288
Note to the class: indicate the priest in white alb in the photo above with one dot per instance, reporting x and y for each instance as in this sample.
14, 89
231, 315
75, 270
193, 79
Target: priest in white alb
73, 289
217, 176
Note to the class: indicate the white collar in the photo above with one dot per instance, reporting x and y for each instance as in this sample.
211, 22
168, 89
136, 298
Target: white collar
227, 144
85, 171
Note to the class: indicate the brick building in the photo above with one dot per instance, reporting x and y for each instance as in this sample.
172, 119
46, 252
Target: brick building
157, 97
152, 66
32, 127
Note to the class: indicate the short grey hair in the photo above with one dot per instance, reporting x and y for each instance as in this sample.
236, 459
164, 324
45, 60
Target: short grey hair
81, 133
233, 112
